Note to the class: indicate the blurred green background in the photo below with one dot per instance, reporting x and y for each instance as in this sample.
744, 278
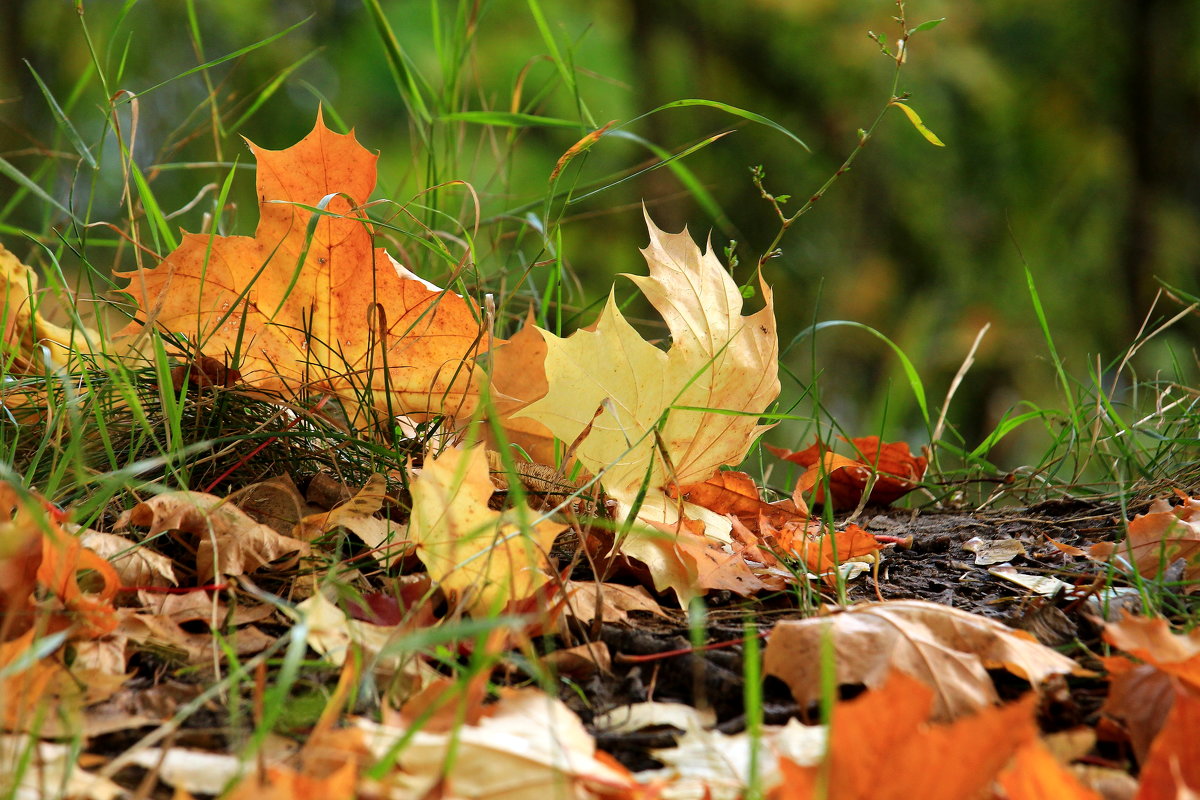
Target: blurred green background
1072, 133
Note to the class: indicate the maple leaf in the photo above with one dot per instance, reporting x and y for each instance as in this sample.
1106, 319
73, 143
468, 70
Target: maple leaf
490, 557
1173, 768
891, 726
26, 332
311, 303
1151, 640
638, 404
942, 647
1158, 538
895, 469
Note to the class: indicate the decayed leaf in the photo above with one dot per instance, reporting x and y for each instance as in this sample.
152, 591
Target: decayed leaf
329, 313
488, 557
135, 565
944, 648
883, 747
226, 538
383, 536
526, 746
26, 331
628, 395
896, 471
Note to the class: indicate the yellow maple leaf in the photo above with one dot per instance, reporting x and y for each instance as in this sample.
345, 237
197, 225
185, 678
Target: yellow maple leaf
664, 417
489, 557
25, 330
312, 303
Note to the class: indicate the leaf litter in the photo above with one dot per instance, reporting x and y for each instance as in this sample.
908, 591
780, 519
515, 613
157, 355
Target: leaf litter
472, 625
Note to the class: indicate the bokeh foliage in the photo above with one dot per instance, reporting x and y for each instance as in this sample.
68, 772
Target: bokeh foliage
1071, 132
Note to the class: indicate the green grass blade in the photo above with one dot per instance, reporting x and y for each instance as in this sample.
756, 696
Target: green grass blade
411, 85
250, 48
18, 177
728, 109
910, 372
683, 154
510, 119
63, 122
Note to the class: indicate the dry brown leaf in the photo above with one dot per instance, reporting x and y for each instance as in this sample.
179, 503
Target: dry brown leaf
331, 313
944, 648
227, 540
611, 602
527, 746
387, 539
164, 633
136, 565
612, 384
489, 558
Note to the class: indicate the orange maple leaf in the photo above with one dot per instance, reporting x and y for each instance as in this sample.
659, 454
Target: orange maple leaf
890, 726
896, 471
311, 303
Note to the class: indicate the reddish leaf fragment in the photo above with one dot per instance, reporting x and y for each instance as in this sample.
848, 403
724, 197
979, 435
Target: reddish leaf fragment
897, 471
204, 373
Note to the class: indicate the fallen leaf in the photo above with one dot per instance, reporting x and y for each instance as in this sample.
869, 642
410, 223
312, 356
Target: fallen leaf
387, 540
166, 635
527, 746
1157, 539
993, 551
27, 333
1152, 641
135, 565
691, 564
823, 551
1173, 767
228, 541
1139, 698
711, 765
1035, 774
487, 557
311, 304
884, 745
895, 469
942, 647
611, 602
50, 765
637, 403
637, 716
335, 635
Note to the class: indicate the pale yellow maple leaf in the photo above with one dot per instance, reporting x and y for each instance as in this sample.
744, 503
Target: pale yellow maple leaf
488, 557
661, 417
